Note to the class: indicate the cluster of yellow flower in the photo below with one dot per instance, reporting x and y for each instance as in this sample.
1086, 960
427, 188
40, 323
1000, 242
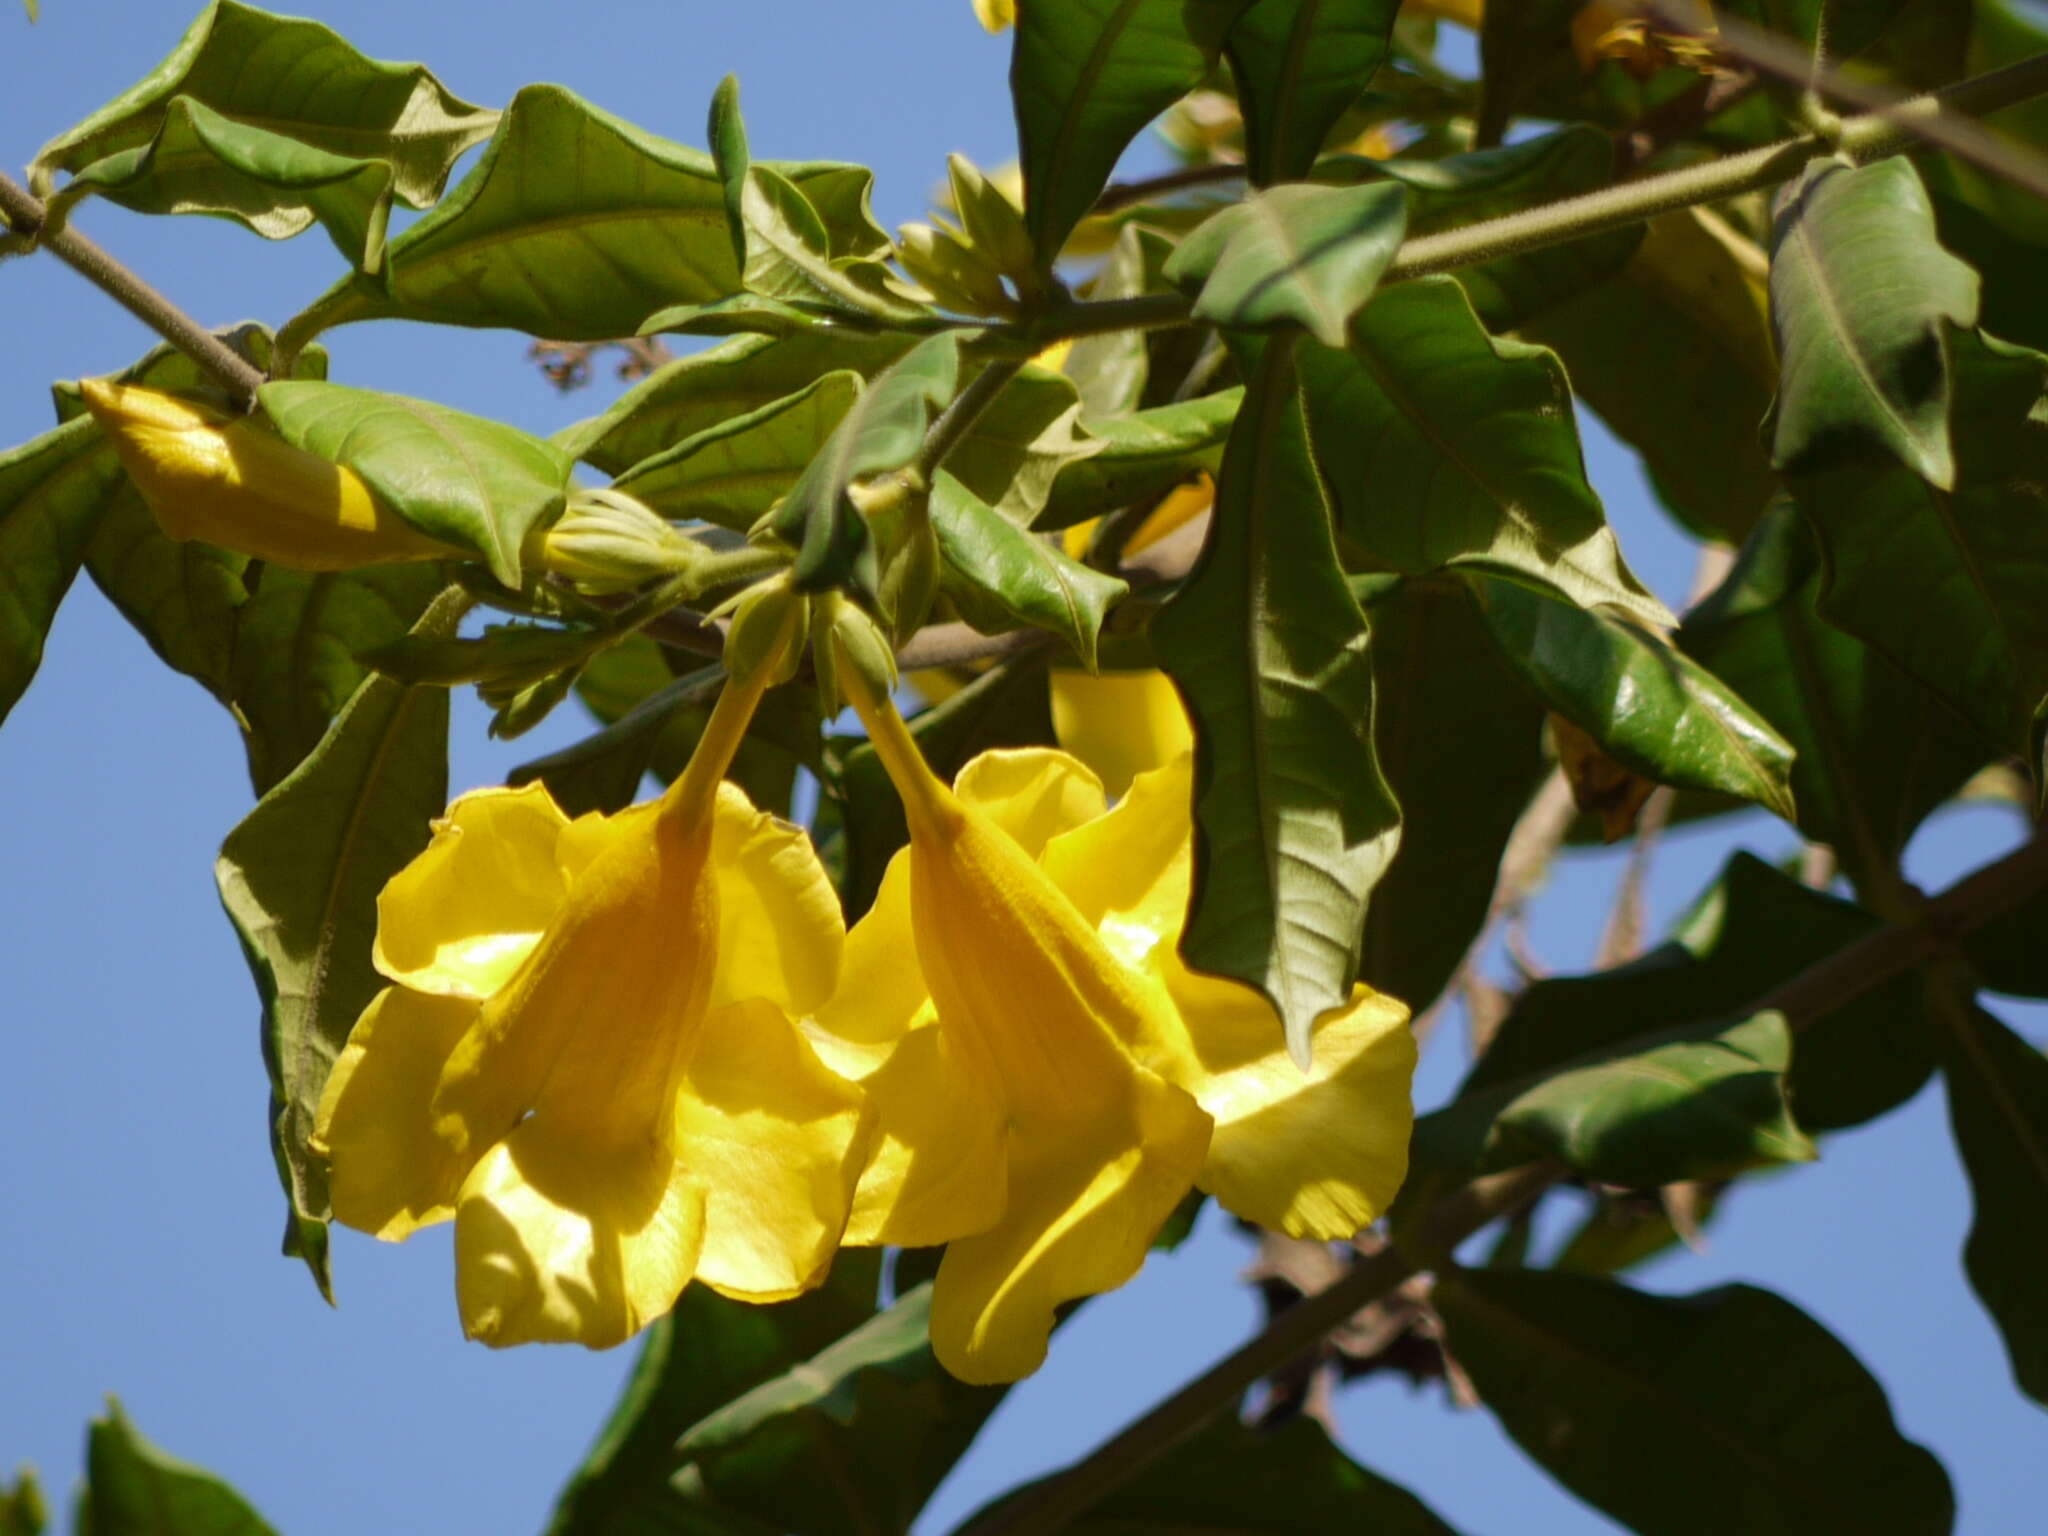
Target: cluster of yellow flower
624, 1052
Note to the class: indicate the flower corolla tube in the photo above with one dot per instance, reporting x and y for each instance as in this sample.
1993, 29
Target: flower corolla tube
589, 1057
1050, 1079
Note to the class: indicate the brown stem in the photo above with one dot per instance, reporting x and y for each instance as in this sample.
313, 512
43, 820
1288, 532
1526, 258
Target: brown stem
24, 215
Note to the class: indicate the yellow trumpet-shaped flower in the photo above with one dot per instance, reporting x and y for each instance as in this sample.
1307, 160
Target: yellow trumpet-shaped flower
589, 1057
224, 479
1050, 1078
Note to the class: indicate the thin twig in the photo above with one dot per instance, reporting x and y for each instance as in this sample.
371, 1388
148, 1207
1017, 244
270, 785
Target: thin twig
24, 215
959, 416
1840, 979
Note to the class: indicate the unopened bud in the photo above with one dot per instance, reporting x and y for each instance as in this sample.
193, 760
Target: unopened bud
768, 627
606, 541
848, 649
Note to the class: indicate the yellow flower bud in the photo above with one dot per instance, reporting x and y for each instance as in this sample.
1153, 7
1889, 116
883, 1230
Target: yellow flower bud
208, 475
843, 639
606, 541
767, 635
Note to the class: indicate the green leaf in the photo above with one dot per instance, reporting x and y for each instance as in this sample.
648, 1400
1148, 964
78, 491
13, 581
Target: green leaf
602, 772
1111, 370
1674, 352
299, 877
577, 226
1853, 25
1486, 184
1651, 707
1445, 446
1229, 1479
1021, 443
1293, 822
1695, 1102
1007, 706
1002, 577
1728, 1410
1143, 456
1946, 583
789, 255
743, 314
292, 79
733, 472
1524, 50
1085, 76
1625, 1228
23, 1511
53, 490
469, 482
1998, 1104
853, 1439
1874, 751
727, 133
1300, 65
707, 1352
134, 1488
202, 162
695, 393
1294, 255
1755, 929
1862, 295
1460, 741
883, 431
296, 643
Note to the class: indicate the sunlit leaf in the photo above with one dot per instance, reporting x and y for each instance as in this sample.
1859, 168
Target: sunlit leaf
1862, 296
53, 491
1727, 1410
1294, 823
1143, 456
1020, 445
134, 1488
299, 877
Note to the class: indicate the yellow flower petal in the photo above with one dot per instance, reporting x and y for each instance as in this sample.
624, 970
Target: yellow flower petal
939, 1169
389, 1173
460, 918
1084, 1208
996, 15
777, 1140
881, 985
1032, 793
563, 1239
1316, 1154
781, 929
1121, 724
1128, 872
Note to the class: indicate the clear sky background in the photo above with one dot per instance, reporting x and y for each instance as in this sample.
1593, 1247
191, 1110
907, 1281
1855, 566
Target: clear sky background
139, 1212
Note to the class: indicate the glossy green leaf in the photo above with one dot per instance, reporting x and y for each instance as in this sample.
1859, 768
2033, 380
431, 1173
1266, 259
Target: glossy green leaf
1755, 929
1874, 751
1998, 1104
202, 162
1650, 706
1727, 1410
467, 481
1695, 1102
134, 1488
789, 255
695, 393
1300, 65
577, 226
1294, 823
1460, 740
1229, 1479
1674, 353
1293, 255
1947, 583
1007, 706
1143, 456
1485, 184
1085, 76
853, 1439
707, 1352
295, 80
1022, 442
1002, 577
732, 472
299, 877
1862, 295
53, 491
603, 771
883, 431
1445, 446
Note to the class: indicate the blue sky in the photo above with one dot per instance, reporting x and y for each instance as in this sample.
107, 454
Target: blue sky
136, 1193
